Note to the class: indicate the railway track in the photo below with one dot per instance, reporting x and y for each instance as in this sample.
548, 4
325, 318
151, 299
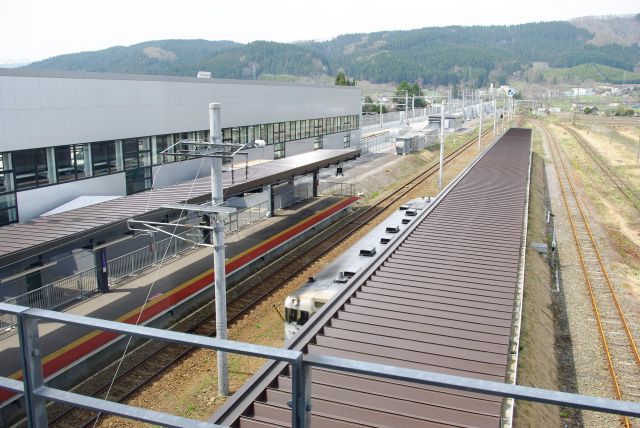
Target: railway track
621, 352
627, 191
147, 362
609, 120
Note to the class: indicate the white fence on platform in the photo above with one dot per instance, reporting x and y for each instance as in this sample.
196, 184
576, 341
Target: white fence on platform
82, 284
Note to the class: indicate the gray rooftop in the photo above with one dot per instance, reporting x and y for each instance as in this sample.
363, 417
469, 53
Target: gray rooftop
78, 227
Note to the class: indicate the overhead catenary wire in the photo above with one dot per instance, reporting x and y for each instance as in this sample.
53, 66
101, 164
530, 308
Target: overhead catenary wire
146, 300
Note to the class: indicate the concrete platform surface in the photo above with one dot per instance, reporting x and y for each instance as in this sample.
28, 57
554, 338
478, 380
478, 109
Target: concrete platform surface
160, 288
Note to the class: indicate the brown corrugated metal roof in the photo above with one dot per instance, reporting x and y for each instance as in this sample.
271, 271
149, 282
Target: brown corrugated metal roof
442, 301
77, 227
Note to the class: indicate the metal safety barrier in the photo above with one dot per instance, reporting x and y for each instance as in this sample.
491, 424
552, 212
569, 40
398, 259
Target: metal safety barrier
328, 188
136, 261
36, 393
54, 295
299, 192
246, 217
376, 143
82, 284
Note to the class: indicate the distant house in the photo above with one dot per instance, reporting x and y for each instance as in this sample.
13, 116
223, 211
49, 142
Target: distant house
583, 91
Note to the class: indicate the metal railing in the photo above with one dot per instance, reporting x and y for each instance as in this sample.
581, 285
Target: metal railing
131, 263
54, 295
299, 192
395, 116
328, 188
376, 143
246, 217
79, 285
36, 393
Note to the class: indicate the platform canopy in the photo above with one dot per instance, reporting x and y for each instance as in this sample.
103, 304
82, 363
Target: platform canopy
107, 221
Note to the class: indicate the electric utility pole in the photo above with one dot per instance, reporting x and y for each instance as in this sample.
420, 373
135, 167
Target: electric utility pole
441, 145
215, 135
480, 129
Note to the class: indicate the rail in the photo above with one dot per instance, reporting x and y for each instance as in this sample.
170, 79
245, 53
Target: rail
36, 393
625, 189
598, 289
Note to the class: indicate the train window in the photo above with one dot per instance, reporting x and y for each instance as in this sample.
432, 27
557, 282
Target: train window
296, 317
290, 315
303, 317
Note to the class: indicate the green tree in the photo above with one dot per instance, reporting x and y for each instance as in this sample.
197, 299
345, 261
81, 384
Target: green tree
341, 80
370, 106
405, 88
623, 111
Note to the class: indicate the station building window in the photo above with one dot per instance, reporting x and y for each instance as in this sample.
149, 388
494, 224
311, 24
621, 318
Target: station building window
8, 205
317, 144
103, 157
70, 162
347, 140
30, 168
163, 142
45, 166
279, 150
137, 164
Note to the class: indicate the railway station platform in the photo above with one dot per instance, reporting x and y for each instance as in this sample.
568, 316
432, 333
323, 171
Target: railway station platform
164, 289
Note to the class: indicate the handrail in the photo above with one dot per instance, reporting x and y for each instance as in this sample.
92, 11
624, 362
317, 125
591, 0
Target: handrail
75, 287
36, 393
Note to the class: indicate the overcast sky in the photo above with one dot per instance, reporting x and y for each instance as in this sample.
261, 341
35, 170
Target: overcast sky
38, 29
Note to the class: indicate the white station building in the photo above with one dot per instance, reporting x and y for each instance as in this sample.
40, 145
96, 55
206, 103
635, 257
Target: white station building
64, 135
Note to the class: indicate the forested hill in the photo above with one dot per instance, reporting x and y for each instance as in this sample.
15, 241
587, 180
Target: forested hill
448, 55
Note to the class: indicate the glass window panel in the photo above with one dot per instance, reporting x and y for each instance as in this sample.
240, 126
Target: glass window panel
5, 162
162, 143
113, 163
8, 200
226, 135
138, 180
6, 182
100, 158
24, 169
79, 152
292, 130
65, 164
250, 137
243, 135
8, 216
144, 158
130, 149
